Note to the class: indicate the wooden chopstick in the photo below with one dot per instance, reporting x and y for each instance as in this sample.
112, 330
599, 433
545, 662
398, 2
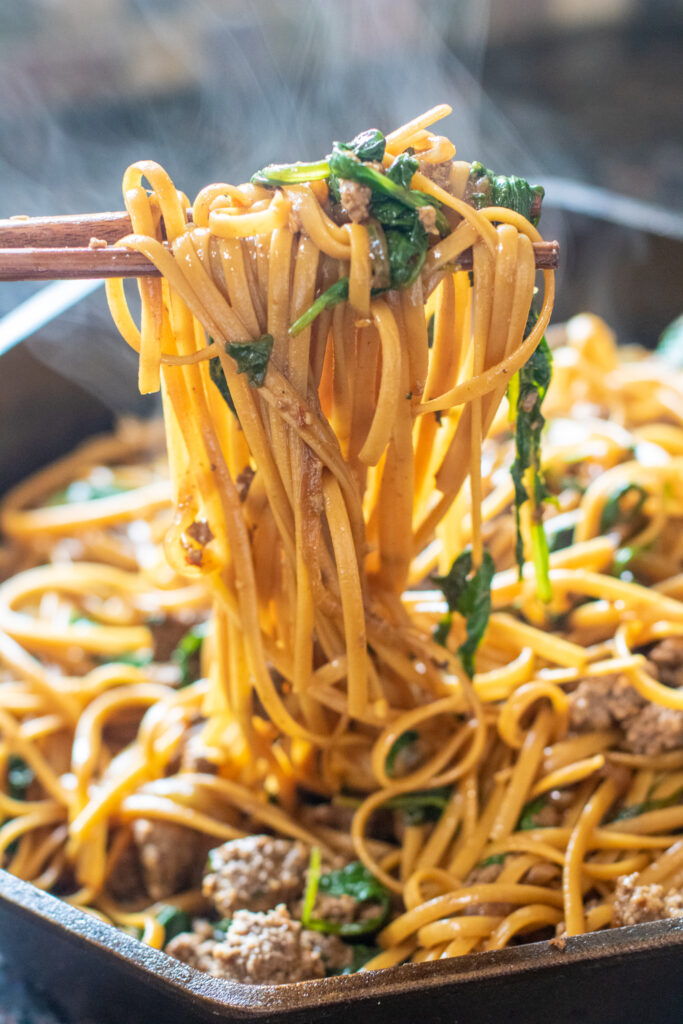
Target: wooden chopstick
68, 231
82, 262
68, 247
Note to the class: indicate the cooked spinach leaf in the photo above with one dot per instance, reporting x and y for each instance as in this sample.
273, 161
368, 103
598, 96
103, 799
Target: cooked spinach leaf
20, 775
360, 955
332, 296
291, 174
252, 357
353, 880
85, 490
217, 375
221, 927
467, 592
525, 394
368, 145
656, 804
403, 168
405, 740
421, 805
139, 659
527, 819
495, 858
491, 189
560, 530
616, 510
174, 922
186, 654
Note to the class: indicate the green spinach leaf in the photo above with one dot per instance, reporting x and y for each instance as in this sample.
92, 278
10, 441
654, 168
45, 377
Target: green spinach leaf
491, 189
331, 297
252, 358
174, 921
469, 594
527, 819
405, 740
186, 654
525, 394
353, 880
614, 511
20, 775
217, 375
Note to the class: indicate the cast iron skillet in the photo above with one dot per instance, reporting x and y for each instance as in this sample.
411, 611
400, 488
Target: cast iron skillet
92, 972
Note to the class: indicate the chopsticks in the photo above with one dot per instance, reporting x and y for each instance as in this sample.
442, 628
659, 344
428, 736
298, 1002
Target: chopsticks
72, 247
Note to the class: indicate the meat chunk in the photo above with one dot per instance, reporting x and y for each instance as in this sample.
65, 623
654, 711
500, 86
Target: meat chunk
603, 703
243, 480
648, 728
170, 856
195, 756
654, 730
355, 200
125, 881
427, 217
259, 949
485, 874
256, 873
440, 174
634, 903
334, 953
666, 661
543, 873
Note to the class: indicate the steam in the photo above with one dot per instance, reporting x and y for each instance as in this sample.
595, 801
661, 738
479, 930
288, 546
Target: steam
239, 87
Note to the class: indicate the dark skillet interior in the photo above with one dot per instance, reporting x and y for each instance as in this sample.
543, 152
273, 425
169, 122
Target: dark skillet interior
93, 972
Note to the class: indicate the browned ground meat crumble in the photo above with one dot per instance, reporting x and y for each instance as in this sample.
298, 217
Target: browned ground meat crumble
440, 174
171, 856
635, 904
355, 200
611, 702
427, 217
256, 873
261, 948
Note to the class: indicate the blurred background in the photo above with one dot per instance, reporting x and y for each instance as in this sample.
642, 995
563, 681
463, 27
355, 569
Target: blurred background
585, 96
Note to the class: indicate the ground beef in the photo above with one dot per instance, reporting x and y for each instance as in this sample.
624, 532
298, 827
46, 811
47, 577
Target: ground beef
483, 875
243, 481
440, 174
167, 634
355, 200
427, 217
125, 881
654, 730
260, 949
328, 815
256, 873
171, 856
666, 661
543, 873
603, 703
334, 953
647, 728
634, 904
